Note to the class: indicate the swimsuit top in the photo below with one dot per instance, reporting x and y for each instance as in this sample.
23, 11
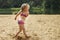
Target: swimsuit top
23, 15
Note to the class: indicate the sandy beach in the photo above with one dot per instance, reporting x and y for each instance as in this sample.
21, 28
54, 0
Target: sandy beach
39, 27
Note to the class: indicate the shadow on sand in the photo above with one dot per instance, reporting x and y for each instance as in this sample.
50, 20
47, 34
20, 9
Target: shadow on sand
21, 38
30, 38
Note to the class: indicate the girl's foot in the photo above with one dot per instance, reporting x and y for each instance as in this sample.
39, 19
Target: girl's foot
14, 36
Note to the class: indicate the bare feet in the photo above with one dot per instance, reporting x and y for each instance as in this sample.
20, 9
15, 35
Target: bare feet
14, 36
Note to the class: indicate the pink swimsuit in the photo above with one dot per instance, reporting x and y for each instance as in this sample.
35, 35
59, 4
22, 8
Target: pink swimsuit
21, 21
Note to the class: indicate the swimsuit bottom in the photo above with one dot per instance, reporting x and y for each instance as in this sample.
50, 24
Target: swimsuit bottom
20, 22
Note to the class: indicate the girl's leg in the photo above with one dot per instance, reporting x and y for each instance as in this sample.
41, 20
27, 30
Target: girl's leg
24, 31
20, 29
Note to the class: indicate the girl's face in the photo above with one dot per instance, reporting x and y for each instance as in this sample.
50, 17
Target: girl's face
26, 8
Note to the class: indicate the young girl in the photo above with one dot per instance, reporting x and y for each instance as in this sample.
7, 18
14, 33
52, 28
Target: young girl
24, 12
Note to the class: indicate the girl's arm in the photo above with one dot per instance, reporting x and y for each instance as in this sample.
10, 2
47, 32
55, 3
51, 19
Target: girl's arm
17, 15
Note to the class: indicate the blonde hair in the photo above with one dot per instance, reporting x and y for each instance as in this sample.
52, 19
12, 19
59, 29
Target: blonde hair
23, 6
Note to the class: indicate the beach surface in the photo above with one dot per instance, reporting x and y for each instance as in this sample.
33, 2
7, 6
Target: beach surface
39, 27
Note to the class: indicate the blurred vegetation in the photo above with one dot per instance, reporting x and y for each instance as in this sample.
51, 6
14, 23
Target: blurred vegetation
36, 6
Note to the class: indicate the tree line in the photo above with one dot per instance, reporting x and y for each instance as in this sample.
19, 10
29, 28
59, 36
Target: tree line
48, 6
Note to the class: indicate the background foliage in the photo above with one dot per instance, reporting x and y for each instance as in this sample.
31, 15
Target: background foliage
37, 6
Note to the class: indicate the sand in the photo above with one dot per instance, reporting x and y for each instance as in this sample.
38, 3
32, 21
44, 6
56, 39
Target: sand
39, 27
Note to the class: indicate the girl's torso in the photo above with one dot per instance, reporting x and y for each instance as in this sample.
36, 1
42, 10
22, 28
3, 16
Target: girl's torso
22, 16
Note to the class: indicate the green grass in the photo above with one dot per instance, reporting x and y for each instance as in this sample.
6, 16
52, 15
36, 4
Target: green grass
15, 10
9, 10
33, 10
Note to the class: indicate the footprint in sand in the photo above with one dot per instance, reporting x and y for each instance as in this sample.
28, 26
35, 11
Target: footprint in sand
38, 20
34, 34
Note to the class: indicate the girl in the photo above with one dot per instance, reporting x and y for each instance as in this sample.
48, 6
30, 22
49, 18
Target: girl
24, 12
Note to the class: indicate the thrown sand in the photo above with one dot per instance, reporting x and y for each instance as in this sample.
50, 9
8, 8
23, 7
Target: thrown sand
39, 27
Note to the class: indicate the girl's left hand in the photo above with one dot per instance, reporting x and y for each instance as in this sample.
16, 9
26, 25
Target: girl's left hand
15, 18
